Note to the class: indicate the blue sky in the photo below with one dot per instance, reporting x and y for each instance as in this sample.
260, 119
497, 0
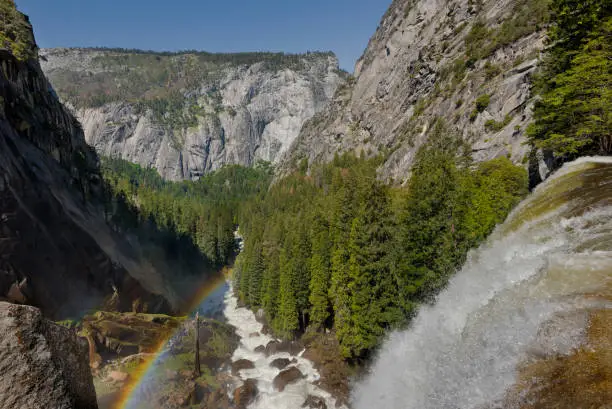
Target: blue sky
342, 26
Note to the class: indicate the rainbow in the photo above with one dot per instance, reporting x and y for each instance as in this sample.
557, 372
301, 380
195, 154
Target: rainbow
128, 397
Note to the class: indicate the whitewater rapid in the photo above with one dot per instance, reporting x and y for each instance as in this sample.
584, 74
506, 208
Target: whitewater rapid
251, 336
520, 295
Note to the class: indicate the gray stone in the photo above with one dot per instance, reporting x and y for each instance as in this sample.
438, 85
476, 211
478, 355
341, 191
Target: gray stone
407, 62
261, 114
286, 377
43, 365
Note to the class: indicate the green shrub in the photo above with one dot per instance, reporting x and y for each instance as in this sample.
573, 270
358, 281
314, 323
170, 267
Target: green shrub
16, 32
482, 102
495, 126
491, 71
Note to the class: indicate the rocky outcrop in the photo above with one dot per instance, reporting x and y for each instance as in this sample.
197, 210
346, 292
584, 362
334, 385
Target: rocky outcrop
244, 395
222, 109
43, 365
280, 363
123, 334
287, 377
314, 402
468, 63
290, 347
241, 364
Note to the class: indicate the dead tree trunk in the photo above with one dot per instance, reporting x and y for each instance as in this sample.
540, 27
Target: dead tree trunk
198, 370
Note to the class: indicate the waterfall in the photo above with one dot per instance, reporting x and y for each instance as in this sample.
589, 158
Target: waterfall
523, 296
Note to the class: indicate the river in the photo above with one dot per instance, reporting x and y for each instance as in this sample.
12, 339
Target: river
251, 333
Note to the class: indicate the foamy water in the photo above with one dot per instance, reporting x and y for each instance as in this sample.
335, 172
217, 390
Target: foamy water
250, 332
522, 294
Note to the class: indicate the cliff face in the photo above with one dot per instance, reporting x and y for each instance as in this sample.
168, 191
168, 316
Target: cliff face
56, 250
466, 62
43, 365
190, 113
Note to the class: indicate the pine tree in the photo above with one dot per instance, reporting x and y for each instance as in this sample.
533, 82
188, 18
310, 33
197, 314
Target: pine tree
271, 284
372, 290
287, 321
343, 214
426, 253
301, 266
256, 277
320, 273
573, 116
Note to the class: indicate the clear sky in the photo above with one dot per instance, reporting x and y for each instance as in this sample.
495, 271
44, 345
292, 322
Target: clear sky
342, 26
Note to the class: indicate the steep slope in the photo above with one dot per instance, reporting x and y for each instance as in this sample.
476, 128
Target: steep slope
466, 62
57, 251
189, 113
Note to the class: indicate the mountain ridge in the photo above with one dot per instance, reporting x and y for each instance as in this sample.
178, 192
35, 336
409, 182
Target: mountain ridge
189, 113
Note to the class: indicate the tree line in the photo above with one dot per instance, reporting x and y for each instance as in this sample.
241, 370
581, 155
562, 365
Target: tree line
203, 211
338, 249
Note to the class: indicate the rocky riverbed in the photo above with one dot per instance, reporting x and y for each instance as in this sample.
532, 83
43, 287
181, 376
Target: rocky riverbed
271, 373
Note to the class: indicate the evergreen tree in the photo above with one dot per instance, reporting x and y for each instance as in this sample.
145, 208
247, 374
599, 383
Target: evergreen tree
301, 271
256, 272
271, 284
287, 321
320, 273
426, 250
573, 116
373, 292
344, 212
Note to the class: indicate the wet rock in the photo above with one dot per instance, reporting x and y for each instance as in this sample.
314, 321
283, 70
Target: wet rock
314, 402
117, 376
286, 377
290, 347
245, 394
324, 352
254, 334
127, 334
43, 365
260, 316
16, 293
241, 364
280, 363
260, 349
218, 399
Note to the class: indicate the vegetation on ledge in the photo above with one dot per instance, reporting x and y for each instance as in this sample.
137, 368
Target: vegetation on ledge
16, 32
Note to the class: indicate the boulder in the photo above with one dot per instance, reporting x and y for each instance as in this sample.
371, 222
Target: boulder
286, 377
43, 365
117, 376
290, 347
260, 349
314, 402
245, 394
280, 363
241, 364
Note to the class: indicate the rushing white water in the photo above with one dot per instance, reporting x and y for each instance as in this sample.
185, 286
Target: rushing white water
250, 332
522, 294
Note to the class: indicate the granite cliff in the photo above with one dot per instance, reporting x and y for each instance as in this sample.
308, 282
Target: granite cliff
468, 63
58, 250
191, 112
